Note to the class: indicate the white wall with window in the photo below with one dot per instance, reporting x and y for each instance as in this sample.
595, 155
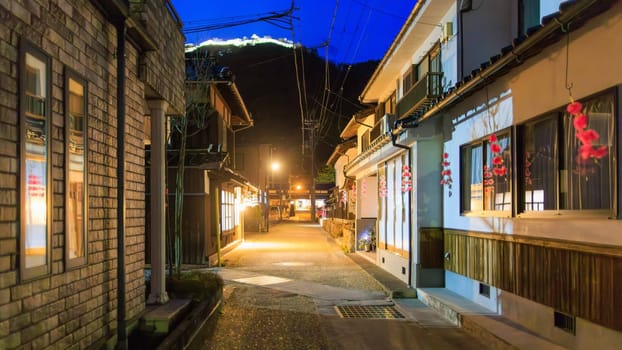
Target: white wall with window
480, 197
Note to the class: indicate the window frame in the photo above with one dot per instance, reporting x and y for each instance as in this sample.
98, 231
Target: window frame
484, 142
559, 114
28, 48
408, 80
82, 260
227, 211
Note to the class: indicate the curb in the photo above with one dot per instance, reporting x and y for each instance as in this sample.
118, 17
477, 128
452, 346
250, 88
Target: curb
187, 330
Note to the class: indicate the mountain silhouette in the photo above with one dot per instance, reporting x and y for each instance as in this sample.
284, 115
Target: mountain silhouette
266, 78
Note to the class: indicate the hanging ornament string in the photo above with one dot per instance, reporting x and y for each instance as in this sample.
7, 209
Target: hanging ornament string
568, 85
446, 172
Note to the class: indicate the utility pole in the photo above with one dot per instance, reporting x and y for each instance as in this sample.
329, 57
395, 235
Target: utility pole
312, 189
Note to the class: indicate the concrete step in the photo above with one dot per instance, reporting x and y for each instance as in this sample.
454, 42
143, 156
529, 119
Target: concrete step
493, 329
161, 319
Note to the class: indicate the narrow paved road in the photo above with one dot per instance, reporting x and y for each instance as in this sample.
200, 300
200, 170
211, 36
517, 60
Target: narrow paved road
281, 289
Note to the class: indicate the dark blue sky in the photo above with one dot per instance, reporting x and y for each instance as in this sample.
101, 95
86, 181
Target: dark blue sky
362, 29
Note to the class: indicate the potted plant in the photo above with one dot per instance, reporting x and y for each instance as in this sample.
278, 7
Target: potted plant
363, 244
372, 240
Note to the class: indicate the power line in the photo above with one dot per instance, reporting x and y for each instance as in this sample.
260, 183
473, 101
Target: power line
279, 19
302, 112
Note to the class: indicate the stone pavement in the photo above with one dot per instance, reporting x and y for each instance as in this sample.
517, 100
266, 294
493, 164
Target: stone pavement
279, 309
293, 288
275, 299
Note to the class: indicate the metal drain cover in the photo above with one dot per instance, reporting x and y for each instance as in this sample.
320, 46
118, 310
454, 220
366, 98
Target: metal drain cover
368, 311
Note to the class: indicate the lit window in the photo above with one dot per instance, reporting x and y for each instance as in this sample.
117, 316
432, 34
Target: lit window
227, 210
75, 192
553, 174
485, 175
35, 210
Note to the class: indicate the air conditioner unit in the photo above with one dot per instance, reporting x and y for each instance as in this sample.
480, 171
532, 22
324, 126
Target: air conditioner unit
448, 31
386, 123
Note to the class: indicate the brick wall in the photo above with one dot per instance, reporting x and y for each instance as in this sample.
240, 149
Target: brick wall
72, 309
164, 69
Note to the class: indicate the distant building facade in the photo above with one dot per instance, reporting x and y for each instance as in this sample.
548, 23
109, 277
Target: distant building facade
215, 194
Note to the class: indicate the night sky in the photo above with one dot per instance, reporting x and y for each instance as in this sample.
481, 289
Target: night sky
361, 30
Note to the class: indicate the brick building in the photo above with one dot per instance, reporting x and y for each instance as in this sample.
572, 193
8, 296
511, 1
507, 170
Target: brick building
66, 190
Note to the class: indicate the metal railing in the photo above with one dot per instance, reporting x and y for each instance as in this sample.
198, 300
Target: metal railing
420, 94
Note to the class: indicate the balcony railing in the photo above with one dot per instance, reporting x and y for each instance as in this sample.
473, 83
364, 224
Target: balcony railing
420, 95
380, 129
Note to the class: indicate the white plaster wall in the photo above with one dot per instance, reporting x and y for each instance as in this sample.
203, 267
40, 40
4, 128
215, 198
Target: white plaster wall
339, 176
367, 203
469, 289
539, 318
427, 191
361, 130
393, 263
343, 160
475, 120
594, 65
449, 51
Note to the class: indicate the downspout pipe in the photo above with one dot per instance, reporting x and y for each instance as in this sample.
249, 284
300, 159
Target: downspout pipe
121, 311
410, 228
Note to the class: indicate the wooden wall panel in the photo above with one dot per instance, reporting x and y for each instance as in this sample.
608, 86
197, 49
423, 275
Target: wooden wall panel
431, 247
581, 280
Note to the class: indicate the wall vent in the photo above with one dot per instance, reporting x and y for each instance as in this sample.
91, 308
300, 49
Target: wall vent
565, 322
403, 270
484, 290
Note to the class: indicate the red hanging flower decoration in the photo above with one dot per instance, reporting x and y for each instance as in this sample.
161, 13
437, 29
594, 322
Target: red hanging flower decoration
600, 152
499, 171
574, 108
495, 148
446, 172
585, 136
498, 168
406, 179
382, 186
580, 122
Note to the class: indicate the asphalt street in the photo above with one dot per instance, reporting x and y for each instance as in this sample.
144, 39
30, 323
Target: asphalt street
293, 288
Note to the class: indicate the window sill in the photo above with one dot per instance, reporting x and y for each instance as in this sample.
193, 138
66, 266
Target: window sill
565, 214
488, 213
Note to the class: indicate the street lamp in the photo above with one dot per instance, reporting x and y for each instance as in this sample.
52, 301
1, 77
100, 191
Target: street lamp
275, 167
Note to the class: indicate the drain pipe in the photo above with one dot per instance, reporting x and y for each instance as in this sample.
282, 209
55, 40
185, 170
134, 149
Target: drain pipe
410, 229
121, 321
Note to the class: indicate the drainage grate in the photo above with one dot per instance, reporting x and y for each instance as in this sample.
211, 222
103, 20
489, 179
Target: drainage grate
368, 311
